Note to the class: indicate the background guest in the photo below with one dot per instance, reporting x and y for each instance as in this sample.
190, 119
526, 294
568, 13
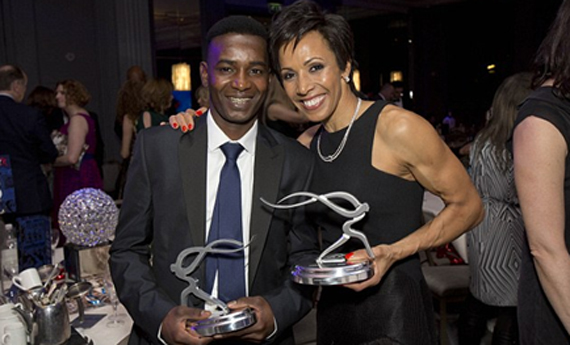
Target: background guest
541, 142
202, 97
76, 168
43, 99
279, 112
24, 137
398, 97
386, 92
135, 76
494, 246
130, 106
157, 95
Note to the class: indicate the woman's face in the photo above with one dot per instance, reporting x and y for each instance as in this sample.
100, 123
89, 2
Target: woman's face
60, 96
311, 77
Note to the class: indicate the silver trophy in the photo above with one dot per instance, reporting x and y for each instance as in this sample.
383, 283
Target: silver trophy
223, 320
332, 268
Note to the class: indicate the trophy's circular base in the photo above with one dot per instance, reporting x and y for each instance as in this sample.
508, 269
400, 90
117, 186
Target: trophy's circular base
332, 275
225, 323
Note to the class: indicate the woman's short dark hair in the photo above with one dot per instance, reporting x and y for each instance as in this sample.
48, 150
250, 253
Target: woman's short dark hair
43, 98
295, 21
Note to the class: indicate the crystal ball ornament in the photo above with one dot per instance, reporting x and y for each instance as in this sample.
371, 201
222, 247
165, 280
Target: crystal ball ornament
88, 217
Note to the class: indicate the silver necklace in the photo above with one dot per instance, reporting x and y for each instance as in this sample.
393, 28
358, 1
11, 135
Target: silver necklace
330, 158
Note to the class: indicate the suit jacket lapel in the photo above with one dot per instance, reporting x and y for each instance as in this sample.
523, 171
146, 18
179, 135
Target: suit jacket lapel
192, 153
269, 158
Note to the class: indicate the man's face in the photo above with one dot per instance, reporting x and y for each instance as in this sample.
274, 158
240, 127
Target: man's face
398, 93
236, 73
388, 93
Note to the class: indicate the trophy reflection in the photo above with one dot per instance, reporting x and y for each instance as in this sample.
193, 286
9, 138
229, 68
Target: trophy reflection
332, 268
223, 320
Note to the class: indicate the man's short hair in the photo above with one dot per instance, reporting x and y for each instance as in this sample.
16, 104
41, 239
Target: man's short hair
238, 25
9, 74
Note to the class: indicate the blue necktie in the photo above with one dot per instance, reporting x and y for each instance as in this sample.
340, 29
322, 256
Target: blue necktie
226, 224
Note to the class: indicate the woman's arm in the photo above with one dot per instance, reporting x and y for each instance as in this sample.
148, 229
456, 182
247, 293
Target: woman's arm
307, 136
128, 132
539, 158
279, 111
407, 146
77, 132
147, 121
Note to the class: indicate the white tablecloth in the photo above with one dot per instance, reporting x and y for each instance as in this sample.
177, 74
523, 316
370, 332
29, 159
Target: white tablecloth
100, 333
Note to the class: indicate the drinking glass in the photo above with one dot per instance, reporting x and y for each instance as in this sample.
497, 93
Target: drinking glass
115, 320
54, 242
10, 269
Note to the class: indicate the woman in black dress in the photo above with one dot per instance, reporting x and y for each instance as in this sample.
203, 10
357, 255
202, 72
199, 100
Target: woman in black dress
385, 156
541, 142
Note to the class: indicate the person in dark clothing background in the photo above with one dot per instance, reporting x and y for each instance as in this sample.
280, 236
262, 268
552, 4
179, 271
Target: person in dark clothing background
25, 139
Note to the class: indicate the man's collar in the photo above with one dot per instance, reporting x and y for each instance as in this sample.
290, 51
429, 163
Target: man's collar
216, 137
4, 93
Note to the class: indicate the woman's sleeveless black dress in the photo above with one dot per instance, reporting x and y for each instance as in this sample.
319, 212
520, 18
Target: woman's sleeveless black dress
398, 310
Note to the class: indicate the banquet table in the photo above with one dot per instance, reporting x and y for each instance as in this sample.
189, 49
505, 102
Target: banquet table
99, 333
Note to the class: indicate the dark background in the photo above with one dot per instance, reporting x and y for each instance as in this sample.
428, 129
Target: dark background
442, 47
442, 50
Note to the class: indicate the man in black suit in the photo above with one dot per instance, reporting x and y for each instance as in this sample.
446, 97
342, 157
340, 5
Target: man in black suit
171, 191
25, 138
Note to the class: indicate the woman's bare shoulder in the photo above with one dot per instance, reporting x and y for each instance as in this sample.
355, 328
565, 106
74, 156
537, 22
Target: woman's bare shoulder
397, 123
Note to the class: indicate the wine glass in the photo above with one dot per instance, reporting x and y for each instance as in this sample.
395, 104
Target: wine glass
9, 270
54, 242
115, 320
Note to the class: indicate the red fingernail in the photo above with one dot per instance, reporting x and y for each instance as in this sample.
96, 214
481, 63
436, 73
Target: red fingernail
184, 128
175, 125
190, 127
199, 112
348, 256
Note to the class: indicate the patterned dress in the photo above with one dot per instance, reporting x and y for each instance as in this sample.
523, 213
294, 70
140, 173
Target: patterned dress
495, 245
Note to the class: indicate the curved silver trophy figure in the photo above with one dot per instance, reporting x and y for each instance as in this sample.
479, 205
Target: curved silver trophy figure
222, 320
332, 268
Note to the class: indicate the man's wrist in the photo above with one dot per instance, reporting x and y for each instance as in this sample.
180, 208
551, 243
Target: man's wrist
272, 335
159, 335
